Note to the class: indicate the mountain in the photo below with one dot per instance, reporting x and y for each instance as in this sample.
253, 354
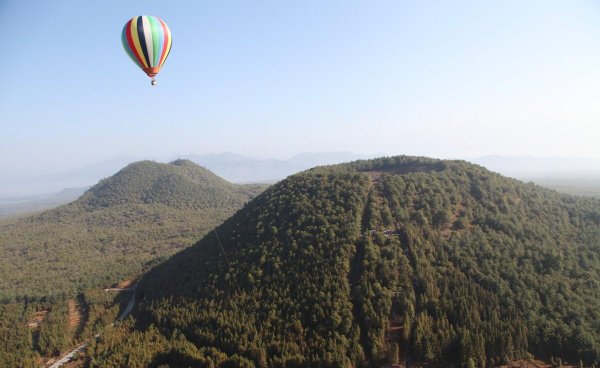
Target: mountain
27, 184
241, 169
13, 206
232, 167
180, 184
375, 263
55, 265
532, 166
145, 212
571, 175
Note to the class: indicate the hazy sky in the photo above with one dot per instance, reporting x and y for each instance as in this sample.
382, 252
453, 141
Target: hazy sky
271, 79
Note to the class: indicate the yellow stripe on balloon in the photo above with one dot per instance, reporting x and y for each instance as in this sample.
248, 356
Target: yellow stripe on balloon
136, 41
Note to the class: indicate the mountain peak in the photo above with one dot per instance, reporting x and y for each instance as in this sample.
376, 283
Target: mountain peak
182, 162
180, 183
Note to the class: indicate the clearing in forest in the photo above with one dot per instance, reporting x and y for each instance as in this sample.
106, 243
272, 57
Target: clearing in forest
75, 321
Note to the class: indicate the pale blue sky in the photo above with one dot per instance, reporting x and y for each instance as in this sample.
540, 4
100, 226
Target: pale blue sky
271, 79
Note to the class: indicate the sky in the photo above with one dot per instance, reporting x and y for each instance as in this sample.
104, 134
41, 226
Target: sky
449, 79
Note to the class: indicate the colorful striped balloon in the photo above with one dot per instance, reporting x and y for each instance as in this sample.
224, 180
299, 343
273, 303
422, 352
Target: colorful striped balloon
147, 41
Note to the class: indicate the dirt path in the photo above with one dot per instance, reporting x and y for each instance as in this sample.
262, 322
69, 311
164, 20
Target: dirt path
74, 319
77, 316
68, 356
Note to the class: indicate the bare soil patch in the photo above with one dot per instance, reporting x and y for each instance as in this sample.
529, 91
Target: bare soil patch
39, 317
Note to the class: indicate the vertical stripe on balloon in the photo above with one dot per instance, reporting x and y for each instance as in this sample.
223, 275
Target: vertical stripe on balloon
154, 29
147, 27
131, 38
142, 38
136, 41
128, 48
131, 43
167, 43
160, 39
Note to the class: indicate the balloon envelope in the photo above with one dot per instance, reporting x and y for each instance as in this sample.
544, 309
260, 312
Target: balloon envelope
147, 41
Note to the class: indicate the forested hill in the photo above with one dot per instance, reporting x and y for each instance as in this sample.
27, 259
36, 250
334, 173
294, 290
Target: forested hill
144, 213
181, 184
374, 262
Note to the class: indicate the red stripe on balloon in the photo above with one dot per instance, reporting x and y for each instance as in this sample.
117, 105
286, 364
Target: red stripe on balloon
131, 44
165, 43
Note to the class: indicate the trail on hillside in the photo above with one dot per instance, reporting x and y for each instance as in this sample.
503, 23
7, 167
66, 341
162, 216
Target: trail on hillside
367, 255
81, 347
77, 316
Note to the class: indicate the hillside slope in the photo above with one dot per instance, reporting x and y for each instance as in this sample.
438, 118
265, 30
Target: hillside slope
180, 184
373, 263
145, 212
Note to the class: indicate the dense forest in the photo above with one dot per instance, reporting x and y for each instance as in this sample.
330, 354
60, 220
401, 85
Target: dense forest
117, 229
375, 263
33, 331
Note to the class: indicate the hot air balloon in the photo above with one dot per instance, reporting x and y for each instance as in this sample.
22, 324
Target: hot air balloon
147, 40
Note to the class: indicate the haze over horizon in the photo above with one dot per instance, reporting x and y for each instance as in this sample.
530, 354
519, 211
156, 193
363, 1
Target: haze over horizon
578, 173
440, 79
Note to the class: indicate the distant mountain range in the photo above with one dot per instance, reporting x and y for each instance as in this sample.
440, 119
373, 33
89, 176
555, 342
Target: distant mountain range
28, 204
571, 175
230, 166
33, 193
242, 169
19, 195
32, 185
530, 167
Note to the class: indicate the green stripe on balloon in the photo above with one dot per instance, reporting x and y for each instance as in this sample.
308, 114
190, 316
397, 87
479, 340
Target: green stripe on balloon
156, 53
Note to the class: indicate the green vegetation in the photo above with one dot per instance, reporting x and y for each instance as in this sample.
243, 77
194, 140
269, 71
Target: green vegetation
25, 343
143, 214
125, 224
373, 262
17, 347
